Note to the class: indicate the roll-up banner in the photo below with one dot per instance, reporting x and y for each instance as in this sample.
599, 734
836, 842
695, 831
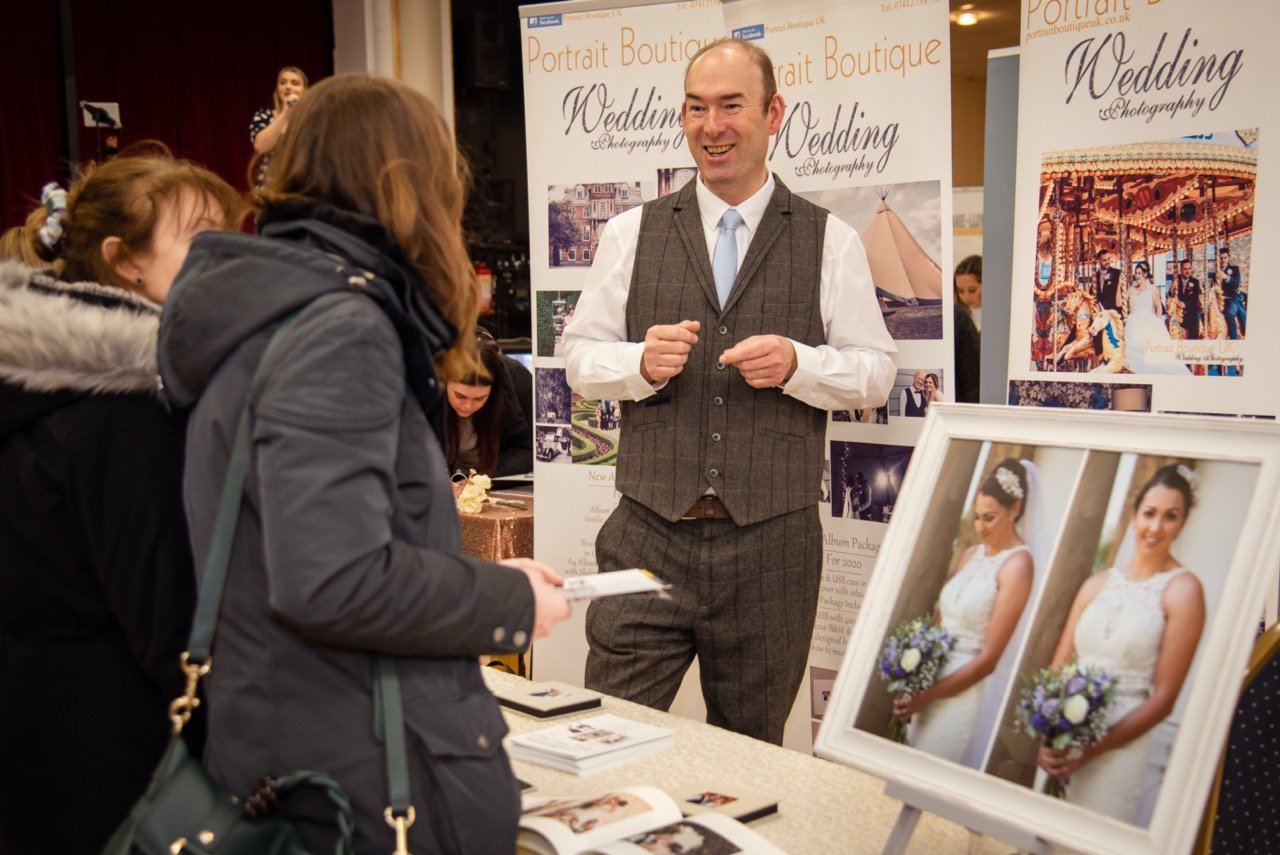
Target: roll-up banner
1142, 128
866, 134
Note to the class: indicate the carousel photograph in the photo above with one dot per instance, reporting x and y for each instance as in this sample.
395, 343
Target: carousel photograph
1143, 257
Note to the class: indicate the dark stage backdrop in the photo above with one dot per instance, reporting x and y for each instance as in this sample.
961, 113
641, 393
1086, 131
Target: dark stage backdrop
188, 74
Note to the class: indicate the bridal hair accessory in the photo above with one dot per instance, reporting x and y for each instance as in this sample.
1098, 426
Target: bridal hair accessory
54, 200
1188, 474
474, 492
1009, 482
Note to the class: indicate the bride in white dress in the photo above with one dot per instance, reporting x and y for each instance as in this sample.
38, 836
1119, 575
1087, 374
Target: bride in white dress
980, 606
1145, 330
1140, 622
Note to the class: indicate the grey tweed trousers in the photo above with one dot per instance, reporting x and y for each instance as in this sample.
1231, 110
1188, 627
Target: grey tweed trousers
743, 600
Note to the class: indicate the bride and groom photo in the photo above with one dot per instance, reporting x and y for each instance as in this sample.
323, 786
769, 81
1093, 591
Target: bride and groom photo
1143, 257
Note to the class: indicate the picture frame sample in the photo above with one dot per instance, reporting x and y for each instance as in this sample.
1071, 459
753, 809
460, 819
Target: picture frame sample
1093, 472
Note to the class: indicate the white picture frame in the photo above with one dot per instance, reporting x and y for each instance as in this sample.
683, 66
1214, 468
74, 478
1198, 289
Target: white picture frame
1085, 460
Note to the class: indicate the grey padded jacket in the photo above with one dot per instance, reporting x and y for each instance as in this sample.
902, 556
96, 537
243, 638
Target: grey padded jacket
347, 543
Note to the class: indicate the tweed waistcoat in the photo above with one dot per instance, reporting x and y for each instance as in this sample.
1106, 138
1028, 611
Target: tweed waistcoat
760, 450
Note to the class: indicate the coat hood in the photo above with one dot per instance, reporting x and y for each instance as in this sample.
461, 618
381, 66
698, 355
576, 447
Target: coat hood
233, 286
60, 341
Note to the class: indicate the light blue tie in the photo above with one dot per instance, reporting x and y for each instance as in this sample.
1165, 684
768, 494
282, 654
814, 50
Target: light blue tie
724, 261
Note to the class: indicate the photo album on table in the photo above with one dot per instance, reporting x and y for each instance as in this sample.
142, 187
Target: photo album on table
630, 820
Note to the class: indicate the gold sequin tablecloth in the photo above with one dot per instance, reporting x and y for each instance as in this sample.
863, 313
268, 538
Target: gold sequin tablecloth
498, 531
823, 808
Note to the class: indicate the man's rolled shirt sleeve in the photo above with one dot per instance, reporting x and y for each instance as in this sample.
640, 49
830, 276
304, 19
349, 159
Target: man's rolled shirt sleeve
599, 361
855, 368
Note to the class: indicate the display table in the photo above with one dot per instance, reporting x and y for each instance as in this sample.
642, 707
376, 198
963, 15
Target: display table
822, 806
499, 532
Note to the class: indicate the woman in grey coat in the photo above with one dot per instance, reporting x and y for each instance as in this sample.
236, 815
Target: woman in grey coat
347, 543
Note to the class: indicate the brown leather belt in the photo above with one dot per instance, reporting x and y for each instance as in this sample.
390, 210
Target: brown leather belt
707, 508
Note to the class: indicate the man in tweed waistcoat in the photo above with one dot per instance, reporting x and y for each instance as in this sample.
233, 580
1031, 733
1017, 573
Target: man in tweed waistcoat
725, 380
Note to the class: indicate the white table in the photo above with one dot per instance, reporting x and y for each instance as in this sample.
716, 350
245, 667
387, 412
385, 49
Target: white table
822, 806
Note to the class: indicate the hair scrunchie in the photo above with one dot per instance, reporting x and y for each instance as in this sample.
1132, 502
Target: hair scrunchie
54, 200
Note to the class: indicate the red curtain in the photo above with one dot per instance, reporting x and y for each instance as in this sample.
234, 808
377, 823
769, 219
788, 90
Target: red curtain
34, 142
187, 74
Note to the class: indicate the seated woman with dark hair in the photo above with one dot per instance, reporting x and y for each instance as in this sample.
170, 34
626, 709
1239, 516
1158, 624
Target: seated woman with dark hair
487, 420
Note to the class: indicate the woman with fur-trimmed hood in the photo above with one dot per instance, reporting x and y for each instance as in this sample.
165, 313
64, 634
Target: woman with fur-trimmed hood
96, 587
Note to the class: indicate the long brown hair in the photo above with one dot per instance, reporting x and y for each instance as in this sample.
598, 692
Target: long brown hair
489, 420
379, 148
124, 197
22, 243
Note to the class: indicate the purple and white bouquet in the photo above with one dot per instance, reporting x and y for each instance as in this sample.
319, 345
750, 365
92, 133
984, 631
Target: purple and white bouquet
913, 656
1066, 709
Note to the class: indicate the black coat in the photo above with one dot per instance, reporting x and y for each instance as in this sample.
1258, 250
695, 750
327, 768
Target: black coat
516, 457
1107, 283
968, 355
97, 589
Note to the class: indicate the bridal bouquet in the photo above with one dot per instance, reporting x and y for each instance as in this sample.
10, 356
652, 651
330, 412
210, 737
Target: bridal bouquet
1066, 709
913, 656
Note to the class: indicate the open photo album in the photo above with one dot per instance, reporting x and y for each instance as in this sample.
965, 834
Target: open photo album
631, 821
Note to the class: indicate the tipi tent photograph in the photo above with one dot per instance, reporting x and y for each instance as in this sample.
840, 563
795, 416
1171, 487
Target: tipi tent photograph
901, 229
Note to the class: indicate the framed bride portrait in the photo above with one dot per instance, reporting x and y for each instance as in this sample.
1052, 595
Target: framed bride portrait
1052, 643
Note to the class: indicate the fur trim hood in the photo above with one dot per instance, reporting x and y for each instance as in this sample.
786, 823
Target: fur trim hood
62, 340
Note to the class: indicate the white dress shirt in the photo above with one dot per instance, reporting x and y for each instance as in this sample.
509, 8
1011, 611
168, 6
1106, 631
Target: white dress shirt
853, 369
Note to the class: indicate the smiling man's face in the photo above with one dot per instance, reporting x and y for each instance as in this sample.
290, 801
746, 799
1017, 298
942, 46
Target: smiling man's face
728, 123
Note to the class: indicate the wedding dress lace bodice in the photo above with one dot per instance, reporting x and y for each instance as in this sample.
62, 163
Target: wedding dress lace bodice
967, 599
1120, 630
1141, 305
1146, 335
950, 728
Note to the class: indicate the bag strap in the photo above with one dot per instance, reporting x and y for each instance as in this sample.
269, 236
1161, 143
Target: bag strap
197, 661
399, 814
224, 527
